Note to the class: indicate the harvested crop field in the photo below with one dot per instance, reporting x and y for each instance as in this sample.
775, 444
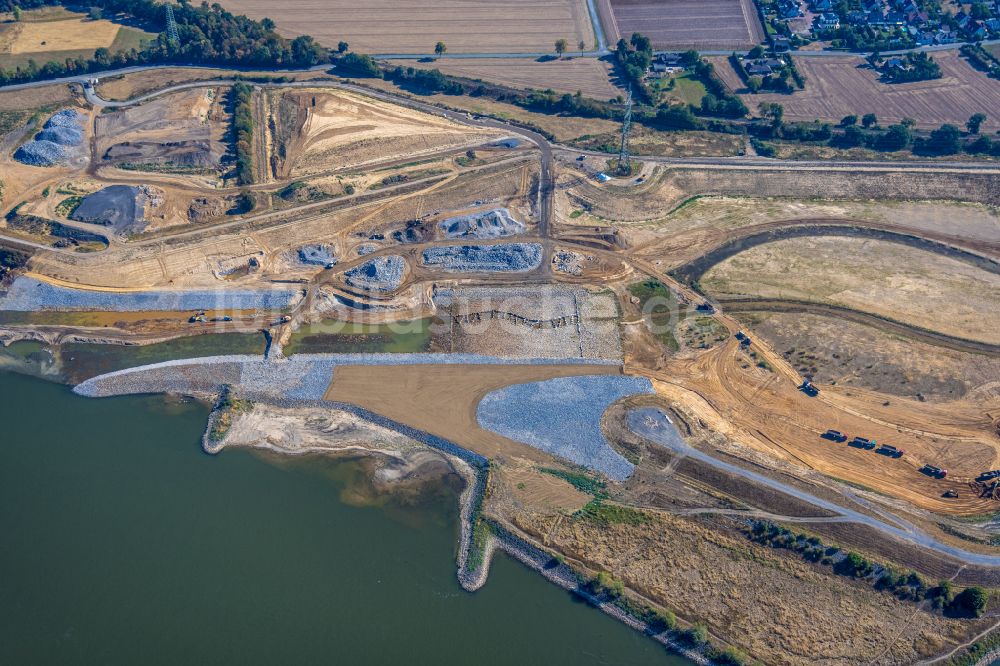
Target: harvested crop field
688, 24
837, 87
590, 76
387, 26
888, 279
68, 35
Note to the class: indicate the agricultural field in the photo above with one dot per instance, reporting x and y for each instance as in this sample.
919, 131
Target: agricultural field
386, 26
44, 36
837, 87
687, 24
592, 77
888, 279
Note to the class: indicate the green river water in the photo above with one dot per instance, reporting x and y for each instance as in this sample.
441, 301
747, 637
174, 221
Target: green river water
123, 543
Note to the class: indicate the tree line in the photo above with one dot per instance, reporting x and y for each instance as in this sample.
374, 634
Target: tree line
208, 34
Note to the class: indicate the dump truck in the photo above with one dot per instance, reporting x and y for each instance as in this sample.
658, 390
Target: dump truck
809, 389
890, 451
834, 436
863, 443
936, 472
986, 476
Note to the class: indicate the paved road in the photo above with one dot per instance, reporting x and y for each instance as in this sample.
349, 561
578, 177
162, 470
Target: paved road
653, 424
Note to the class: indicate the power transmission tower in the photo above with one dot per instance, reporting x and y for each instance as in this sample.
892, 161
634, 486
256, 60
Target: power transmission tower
624, 162
172, 35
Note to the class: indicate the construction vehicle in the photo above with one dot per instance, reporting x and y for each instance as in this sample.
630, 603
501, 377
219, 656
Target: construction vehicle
891, 451
741, 336
705, 307
935, 472
809, 389
986, 476
950, 493
834, 436
862, 443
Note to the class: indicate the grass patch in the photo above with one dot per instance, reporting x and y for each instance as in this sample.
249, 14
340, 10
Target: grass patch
575, 214
685, 88
586, 483
661, 313
599, 513
68, 205
336, 336
226, 410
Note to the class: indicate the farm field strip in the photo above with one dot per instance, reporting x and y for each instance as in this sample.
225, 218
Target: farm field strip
379, 26
590, 76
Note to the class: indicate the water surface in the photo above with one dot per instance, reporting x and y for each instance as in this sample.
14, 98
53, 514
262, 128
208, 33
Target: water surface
125, 544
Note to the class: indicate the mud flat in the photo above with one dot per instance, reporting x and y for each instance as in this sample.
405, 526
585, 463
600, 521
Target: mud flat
28, 294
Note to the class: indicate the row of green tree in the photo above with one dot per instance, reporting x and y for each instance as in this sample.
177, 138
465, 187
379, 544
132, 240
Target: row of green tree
241, 104
947, 139
906, 585
208, 34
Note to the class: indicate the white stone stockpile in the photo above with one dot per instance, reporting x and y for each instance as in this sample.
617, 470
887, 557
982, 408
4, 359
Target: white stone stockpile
27, 294
563, 417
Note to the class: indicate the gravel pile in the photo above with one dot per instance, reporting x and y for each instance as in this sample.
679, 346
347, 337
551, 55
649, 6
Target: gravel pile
56, 143
496, 223
366, 248
29, 295
121, 207
382, 274
508, 258
563, 417
318, 255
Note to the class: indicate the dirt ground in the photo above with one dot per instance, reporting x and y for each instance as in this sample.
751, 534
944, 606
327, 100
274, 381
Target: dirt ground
342, 129
442, 399
837, 87
384, 26
590, 76
34, 98
724, 389
776, 607
852, 354
892, 280
562, 128
186, 129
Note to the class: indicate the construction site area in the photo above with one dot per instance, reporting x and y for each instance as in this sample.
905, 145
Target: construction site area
646, 370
